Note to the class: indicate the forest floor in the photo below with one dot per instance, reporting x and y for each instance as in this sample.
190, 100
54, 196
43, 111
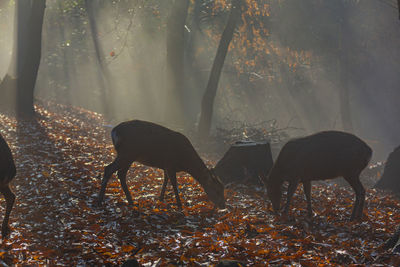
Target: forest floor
60, 158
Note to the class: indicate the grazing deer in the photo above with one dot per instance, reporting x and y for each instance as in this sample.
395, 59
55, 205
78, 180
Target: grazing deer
156, 146
321, 156
7, 173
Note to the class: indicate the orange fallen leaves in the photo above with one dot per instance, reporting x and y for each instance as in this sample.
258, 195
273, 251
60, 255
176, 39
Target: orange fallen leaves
56, 220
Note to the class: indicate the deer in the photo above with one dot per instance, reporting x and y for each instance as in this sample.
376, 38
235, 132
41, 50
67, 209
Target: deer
157, 146
7, 173
321, 156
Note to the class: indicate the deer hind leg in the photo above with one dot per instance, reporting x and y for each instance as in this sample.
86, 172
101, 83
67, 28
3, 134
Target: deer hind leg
108, 172
307, 192
10, 198
122, 179
291, 189
164, 186
354, 181
172, 177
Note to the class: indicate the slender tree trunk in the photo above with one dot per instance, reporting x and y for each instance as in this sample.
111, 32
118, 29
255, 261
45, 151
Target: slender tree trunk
207, 103
175, 60
345, 111
66, 76
398, 6
194, 31
104, 75
344, 94
193, 76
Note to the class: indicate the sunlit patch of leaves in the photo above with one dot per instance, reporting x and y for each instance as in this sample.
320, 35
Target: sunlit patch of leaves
60, 158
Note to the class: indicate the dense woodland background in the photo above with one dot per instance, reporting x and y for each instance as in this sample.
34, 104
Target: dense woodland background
287, 68
312, 65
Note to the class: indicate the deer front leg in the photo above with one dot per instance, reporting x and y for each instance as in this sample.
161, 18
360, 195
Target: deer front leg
122, 179
355, 183
10, 198
164, 186
307, 192
172, 177
108, 171
291, 189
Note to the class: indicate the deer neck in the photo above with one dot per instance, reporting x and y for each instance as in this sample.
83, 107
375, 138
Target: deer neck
199, 171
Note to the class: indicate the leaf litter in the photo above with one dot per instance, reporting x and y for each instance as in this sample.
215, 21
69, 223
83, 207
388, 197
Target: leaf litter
60, 159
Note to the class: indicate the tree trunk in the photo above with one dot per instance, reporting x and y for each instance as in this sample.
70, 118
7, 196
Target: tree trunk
194, 77
344, 94
398, 6
207, 103
68, 72
29, 53
19, 83
345, 112
175, 60
103, 73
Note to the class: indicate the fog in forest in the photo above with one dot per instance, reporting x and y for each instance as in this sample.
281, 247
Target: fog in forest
297, 85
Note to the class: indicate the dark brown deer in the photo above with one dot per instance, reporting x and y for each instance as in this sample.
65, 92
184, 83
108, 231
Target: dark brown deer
321, 156
7, 173
156, 146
